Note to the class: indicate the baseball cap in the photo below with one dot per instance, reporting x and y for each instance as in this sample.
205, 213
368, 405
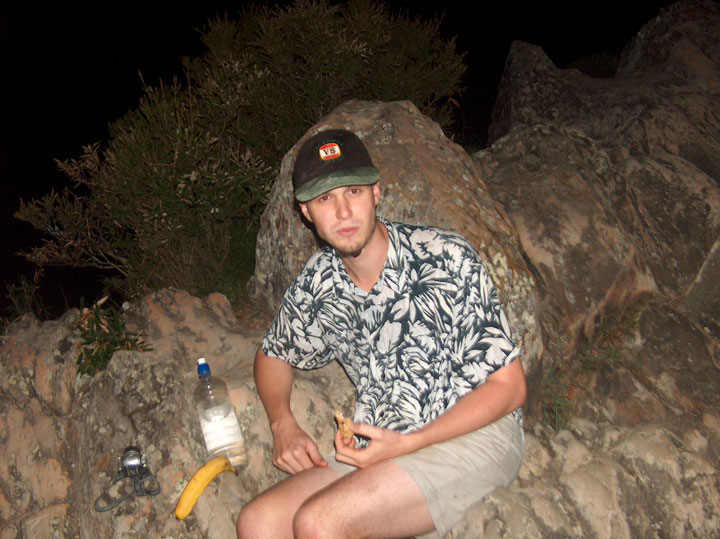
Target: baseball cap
329, 159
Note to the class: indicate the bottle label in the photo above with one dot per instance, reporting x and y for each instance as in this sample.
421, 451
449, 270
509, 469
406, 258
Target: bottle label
221, 434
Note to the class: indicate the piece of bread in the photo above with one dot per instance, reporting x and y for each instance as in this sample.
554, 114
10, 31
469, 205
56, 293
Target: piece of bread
344, 425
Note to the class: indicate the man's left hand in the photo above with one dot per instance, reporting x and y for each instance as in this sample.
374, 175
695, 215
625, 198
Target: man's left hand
383, 444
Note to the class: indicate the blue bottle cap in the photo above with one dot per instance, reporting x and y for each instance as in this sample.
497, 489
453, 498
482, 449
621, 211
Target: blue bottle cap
202, 367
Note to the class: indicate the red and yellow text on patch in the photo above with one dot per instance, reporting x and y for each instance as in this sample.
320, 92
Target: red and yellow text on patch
329, 151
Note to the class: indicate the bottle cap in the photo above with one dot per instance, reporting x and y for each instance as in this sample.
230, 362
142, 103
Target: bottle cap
202, 366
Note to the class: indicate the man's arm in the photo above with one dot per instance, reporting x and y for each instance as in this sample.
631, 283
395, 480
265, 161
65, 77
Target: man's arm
504, 391
293, 449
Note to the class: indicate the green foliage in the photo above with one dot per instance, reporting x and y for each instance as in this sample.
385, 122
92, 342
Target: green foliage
176, 196
282, 69
556, 399
103, 332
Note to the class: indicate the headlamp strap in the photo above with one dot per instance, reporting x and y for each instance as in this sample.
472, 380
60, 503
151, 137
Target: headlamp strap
133, 465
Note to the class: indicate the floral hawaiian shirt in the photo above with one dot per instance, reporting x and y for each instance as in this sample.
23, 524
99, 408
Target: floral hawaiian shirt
430, 330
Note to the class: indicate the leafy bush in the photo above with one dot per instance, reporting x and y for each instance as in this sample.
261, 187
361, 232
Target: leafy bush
103, 332
176, 196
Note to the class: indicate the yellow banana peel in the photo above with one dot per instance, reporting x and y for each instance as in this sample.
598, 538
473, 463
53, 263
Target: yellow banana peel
198, 482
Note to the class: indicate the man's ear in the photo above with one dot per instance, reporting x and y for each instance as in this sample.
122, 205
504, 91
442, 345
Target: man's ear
304, 210
376, 193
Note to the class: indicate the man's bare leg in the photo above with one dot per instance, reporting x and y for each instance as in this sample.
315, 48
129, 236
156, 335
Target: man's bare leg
270, 514
380, 501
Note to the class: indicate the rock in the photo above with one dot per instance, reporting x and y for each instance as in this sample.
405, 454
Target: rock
37, 387
613, 184
54, 466
639, 452
563, 192
703, 295
145, 399
638, 455
681, 40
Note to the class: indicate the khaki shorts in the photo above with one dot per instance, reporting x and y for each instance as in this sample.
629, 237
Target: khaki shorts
454, 475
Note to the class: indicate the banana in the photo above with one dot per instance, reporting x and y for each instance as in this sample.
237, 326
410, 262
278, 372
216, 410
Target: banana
198, 482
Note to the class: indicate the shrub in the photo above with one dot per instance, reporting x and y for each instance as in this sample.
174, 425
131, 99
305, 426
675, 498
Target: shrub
175, 197
555, 399
103, 332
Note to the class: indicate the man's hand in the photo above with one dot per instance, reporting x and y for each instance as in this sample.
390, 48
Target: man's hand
293, 450
384, 444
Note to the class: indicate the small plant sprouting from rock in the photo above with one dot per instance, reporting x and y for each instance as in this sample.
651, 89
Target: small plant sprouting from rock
604, 350
103, 332
24, 298
556, 400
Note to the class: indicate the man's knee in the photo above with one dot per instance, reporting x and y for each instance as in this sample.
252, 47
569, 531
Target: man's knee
305, 524
254, 520
311, 520
243, 523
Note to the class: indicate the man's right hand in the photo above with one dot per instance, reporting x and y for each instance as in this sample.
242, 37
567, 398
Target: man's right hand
293, 450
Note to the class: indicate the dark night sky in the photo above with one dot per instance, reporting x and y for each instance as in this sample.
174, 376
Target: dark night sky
68, 69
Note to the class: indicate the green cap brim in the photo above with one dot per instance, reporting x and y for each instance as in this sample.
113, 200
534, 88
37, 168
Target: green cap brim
340, 178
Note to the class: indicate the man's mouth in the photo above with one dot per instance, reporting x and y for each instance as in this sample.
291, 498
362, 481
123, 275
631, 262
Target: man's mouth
346, 231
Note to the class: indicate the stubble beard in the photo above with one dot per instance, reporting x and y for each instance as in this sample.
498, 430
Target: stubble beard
355, 251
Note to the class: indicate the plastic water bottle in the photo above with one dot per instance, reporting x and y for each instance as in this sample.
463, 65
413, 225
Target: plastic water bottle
219, 423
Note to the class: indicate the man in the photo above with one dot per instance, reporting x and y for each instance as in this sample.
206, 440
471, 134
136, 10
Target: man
411, 314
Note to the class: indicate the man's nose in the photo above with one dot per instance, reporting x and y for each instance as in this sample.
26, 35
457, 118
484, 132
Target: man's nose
342, 208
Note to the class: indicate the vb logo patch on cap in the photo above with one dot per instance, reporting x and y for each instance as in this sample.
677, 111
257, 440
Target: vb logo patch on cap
330, 151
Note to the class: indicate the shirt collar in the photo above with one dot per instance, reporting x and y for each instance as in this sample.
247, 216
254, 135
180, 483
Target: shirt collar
392, 275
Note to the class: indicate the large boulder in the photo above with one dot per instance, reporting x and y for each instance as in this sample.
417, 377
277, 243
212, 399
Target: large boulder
613, 184
563, 193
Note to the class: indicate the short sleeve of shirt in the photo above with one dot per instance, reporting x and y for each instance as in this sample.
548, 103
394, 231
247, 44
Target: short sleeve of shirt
296, 334
482, 340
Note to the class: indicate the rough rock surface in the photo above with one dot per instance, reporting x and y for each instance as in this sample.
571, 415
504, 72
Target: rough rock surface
61, 440
37, 388
596, 208
614, 184
639, 455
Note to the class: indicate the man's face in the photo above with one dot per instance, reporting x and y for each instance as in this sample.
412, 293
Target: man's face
344, 217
